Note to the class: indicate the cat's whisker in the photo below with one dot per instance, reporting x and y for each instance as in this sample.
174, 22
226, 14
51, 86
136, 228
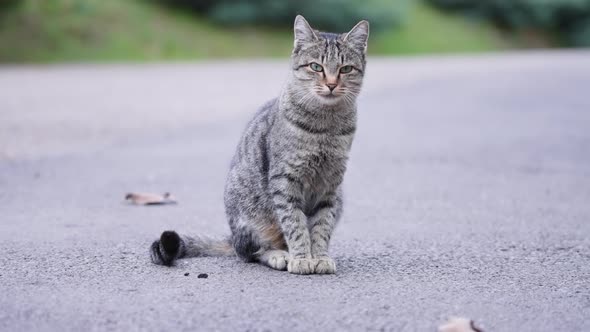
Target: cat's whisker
305, 97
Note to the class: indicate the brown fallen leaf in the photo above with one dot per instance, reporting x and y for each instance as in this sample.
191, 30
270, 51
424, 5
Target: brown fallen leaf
459, 324
150, 199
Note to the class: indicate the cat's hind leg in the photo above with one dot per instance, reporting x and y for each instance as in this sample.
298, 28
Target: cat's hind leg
274, 253
261, 241
275, 259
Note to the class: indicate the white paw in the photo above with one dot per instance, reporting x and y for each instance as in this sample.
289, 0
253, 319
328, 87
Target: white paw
301, 266
277, 259
325, 265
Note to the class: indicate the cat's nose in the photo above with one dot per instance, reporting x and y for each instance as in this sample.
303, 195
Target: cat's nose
331, 86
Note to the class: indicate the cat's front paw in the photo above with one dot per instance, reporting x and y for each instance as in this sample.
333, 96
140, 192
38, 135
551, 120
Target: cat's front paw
325, 265
301, 266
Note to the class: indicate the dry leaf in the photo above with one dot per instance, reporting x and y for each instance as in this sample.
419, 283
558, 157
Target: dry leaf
150, 199
459, 324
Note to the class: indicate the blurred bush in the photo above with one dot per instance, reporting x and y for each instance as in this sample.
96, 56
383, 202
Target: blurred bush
5, 4
330, 15
568, 19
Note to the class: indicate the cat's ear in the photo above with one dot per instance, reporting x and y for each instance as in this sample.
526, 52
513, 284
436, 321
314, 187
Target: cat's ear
303, 31
359, 36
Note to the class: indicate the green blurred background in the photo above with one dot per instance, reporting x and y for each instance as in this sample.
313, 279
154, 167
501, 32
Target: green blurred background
144, 30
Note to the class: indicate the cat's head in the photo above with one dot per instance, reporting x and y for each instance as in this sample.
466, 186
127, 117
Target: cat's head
329, 67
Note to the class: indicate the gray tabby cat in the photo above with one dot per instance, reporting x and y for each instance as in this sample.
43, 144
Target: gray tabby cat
283, 194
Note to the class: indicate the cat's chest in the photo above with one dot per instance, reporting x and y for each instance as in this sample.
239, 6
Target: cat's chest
322, 161
318, 160
322, 169
324, 149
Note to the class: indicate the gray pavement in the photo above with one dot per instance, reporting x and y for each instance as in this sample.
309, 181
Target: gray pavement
468, 193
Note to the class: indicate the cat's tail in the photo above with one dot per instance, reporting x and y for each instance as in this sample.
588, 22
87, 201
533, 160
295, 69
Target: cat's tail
172, 246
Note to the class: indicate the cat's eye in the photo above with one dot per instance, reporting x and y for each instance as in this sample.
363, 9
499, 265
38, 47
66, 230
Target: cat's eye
345, 69
316, 67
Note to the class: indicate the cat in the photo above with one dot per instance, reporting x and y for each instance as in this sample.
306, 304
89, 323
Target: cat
283, 194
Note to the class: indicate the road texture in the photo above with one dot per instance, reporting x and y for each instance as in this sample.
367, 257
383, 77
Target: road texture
468, 193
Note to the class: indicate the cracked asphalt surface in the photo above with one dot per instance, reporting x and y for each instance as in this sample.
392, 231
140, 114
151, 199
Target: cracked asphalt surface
468, 193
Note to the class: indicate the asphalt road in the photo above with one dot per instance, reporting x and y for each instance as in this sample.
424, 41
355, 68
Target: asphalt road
468, 193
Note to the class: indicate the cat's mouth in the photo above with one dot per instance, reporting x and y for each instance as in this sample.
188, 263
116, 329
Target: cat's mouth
329, 95
327, 98
330, 98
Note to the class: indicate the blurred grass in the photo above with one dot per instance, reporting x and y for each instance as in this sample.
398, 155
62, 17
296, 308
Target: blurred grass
428, 30
139, 30
74, 30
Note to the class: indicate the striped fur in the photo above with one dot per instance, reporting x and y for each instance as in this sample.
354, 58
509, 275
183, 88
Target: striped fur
283, 193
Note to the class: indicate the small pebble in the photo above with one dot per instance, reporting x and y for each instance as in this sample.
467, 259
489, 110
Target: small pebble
186, 274
203, 276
